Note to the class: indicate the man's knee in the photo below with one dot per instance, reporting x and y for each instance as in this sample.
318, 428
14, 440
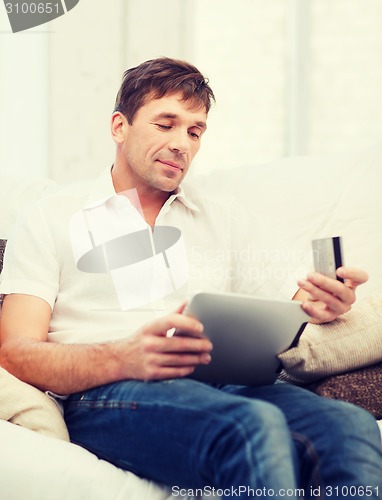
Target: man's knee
346, 420
251, 420
246, 434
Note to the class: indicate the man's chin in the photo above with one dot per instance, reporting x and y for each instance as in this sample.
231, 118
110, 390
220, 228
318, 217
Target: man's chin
167, 185
170, 183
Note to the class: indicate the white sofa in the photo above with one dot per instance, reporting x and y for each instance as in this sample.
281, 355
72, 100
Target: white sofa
298, 199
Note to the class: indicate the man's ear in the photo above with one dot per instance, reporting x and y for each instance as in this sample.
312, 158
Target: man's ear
118, 127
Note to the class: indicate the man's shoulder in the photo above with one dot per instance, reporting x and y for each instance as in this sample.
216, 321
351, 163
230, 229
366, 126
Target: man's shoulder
206, 199
75, 195
64, 199
58, 206
74, 190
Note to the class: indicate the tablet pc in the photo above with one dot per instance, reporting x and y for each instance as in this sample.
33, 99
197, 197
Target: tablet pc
247, 334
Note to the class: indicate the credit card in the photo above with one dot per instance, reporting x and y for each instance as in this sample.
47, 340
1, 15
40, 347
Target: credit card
327, 256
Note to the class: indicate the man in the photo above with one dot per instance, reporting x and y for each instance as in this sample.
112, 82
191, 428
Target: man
72, 327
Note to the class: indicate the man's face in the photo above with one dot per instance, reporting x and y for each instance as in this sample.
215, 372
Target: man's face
156, 150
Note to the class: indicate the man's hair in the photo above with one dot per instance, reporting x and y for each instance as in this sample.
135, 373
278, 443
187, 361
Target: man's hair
158, 78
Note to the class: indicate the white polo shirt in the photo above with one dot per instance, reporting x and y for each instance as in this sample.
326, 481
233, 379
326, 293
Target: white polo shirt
220, 250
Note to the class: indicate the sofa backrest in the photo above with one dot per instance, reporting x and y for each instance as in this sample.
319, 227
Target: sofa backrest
302, 198
297, 199
16, 193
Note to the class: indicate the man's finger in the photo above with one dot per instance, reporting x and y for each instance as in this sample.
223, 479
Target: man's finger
175, 320
321, 287
352, 276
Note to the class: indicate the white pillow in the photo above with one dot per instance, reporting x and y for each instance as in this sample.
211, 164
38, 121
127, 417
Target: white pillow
36, 467
28, 407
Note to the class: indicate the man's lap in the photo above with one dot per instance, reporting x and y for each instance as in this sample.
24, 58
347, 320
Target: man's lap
137, 421
169, 420
171, 396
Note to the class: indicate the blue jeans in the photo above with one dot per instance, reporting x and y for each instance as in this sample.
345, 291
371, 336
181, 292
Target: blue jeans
248, 441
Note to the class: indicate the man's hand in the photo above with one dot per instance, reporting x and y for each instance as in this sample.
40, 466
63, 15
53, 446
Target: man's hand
324, 299
155, 355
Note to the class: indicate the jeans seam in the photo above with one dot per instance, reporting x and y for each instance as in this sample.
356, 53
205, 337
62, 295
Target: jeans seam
309, 448
106, 404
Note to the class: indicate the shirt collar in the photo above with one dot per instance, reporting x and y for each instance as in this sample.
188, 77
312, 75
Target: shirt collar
181, 195
103, 189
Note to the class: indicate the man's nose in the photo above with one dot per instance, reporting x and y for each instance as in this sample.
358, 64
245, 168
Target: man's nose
179, 142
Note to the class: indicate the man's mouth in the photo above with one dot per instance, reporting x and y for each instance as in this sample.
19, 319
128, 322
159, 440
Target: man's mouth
171, 164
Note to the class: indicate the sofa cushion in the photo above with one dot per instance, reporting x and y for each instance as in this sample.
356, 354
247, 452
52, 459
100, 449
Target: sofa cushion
29, 407
34, 467
342, 358
352, 341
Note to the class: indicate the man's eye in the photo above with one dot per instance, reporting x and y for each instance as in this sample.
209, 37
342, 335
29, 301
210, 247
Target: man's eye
194, 135
163, 127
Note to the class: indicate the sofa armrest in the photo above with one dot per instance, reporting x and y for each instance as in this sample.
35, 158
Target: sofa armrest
361, 387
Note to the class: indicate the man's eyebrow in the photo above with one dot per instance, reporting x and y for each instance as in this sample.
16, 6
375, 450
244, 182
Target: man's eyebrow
202, 125
173, 116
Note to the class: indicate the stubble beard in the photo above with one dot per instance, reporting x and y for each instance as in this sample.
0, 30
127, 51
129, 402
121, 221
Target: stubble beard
165, 182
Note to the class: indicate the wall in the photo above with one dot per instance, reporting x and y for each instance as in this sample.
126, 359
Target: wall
290, 76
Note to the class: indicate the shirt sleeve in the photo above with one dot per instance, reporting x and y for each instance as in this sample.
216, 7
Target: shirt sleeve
30, 263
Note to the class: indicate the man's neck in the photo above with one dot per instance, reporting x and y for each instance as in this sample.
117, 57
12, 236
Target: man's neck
145, 199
